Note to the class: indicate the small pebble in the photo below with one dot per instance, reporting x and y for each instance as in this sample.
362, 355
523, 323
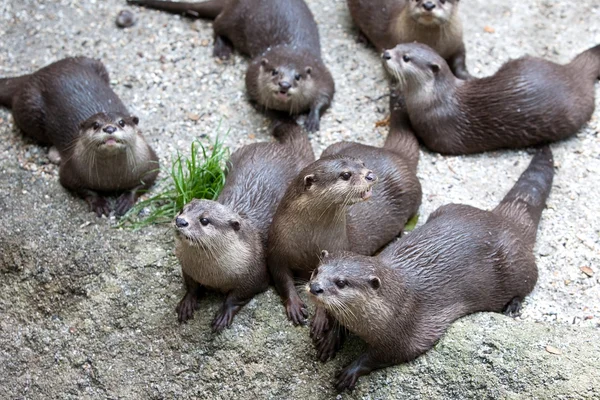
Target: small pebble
125, 19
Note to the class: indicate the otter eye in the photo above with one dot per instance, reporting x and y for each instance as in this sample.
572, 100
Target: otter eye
345, 175
275, 72
121, 123
96, 125
340, 283
298, 77
204, 221
406, 58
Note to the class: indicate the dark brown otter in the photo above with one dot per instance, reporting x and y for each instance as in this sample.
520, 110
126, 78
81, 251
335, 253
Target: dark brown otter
529, 101
69, 104
435, 23
286, 72
324, 208
463, 260
221, 244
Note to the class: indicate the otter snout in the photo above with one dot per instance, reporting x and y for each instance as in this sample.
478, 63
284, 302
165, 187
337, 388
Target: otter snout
109, 129
371, 177
284, 86
428, 6
181, 222
315, 288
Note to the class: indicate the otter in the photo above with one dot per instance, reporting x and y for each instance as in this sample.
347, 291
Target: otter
386, 23
221, 244
286, 71
69, 104
462, 260
529, 101
324, 208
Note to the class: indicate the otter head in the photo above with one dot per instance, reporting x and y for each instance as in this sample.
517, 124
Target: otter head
416, 67
338, 180
348, 285
287, 86
208, 225
432, 12
109, 133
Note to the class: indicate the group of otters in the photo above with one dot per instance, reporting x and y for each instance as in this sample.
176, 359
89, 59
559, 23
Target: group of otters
299, 219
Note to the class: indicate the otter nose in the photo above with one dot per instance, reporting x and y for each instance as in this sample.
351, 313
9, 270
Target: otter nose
386, 55
284, 86
315, 288
371, 177
428, 5
181, 222
109, 129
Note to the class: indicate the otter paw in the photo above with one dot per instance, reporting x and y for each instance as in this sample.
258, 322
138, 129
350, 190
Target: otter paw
362, 38
221, 49
319, 324
312, 123
513, 308
222, 320
296, 311
186, 307
347, 379
99, 205
124, 203
328, 346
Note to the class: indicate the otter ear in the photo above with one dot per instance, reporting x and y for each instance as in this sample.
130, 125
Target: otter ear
235, 224
434, 67
135, 120
375, 282
324, 254
264, 62
308, 70
308, 181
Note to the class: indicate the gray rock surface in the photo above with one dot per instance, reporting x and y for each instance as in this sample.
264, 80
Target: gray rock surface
86, 310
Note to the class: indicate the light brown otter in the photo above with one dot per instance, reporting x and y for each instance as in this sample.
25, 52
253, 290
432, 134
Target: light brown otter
324, 208
529, 101
221, 244
69, 104
435, 23
463, 260
286, 72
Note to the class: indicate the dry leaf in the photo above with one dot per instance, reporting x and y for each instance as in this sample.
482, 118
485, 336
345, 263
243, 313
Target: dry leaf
383, 122
252, 136
553, 350
193, 116
489, 29
588, 271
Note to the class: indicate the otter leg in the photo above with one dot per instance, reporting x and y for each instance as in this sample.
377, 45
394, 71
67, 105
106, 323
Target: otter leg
294, 306
362, 38
97, 203
189, 302
513, 308
321, 323
233, 303
222, 48
363, 365
458, 64
313, 121
330, 342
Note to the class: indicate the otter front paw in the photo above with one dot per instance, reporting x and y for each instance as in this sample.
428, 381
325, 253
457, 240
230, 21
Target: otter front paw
222, 49
319, 324
186, 307
328, 345
296, 311
99, 205
124, 203
347, 378
312, 123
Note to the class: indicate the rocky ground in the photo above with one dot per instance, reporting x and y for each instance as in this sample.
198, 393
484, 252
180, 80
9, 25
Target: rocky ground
86, 310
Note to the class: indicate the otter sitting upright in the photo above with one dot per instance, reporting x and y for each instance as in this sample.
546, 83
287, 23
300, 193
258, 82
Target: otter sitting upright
325, 208
70, 105
435, 23
221, 244
529, 101
463, 260
286, 72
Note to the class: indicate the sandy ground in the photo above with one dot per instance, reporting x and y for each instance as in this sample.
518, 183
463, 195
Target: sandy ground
71, 283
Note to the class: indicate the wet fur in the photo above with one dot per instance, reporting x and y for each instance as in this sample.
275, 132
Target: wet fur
50, 106
463, 260
529, 101
233, 261
387, 23
302, 228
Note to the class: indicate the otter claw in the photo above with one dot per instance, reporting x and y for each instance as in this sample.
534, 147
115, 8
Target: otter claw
186, 307
312, 123
124, 203
346, 379
99, 205
319, 324
296, 312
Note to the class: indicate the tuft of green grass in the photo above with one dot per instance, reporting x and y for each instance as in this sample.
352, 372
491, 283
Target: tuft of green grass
201, 175
411, 223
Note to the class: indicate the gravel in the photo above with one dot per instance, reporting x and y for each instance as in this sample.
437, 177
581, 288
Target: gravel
86, 310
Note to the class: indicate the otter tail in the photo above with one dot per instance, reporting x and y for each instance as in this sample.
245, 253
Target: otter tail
524, 203
206, 9
588, 62
401, 138
289, 133
8, 88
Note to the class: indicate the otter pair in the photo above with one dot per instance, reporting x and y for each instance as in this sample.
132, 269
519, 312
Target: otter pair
286, 72
69, 104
